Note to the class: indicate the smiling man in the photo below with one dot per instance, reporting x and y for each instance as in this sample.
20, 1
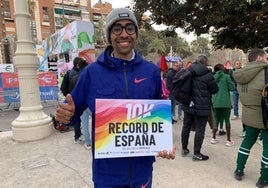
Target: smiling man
118, 73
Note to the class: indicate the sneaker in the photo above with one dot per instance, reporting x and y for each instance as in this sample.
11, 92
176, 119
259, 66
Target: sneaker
184, 152
238, 175
229, 143
261, 183
87, 146
77, 140
213, 141
200, 157
234, 118
222, 132
243, 134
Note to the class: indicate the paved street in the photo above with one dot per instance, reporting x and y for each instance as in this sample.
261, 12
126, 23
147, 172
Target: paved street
8, 115
57, 162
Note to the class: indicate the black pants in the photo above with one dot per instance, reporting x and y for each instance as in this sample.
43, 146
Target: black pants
200, 123
77, 130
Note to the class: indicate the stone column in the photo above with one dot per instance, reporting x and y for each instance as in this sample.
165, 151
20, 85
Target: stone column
32, 123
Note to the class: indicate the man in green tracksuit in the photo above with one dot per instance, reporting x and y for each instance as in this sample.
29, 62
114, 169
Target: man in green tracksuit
250, 82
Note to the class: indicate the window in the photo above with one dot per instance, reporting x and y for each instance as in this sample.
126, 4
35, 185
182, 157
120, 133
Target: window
45, 14
6, 9
7, 14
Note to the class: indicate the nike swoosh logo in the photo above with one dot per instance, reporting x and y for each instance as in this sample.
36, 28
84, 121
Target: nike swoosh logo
139, 80
144, 186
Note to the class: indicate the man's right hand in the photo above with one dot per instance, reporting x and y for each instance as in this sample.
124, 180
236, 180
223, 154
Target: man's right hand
65, 111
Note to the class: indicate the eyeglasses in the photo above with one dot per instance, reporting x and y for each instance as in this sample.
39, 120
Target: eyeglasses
117, 29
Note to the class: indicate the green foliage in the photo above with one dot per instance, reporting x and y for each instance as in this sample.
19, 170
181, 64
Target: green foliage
152, 41
200, 45
144, 39
157, 45
232, 24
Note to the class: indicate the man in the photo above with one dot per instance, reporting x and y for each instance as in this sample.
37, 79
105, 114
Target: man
170, 76
197, 113
119, 73
237, 66
66, 83
250, 81
84, 118
72, 78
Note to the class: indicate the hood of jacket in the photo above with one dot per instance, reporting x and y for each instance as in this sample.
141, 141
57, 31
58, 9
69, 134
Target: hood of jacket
218, 75
247, 73
105, 59
198, 69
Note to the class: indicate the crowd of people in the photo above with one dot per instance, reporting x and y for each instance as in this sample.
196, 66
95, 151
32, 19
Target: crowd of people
214, 92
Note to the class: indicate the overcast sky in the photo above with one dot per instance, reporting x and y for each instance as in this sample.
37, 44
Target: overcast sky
124, 3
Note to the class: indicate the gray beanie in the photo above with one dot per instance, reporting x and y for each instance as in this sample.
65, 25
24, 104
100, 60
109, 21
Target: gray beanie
116, 15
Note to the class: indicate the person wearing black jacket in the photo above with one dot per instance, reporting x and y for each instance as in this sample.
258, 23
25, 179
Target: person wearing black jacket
80, 64
170, 76
198, 111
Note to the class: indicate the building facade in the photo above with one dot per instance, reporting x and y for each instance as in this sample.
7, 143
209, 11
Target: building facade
47, 17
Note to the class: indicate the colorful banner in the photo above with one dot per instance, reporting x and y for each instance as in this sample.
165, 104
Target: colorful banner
9, 87
129, 128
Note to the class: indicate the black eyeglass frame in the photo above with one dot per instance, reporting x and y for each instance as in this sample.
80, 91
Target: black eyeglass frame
124, 27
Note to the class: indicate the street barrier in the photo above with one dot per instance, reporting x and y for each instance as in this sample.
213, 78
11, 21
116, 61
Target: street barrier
9, 87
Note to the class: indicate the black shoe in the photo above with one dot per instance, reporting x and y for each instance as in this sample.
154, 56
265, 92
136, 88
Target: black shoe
261, 183
174, 121
184, 152
200, 157
238, 175
222, 133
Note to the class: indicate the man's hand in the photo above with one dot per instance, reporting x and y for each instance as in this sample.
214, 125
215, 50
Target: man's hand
65, 111
167, 154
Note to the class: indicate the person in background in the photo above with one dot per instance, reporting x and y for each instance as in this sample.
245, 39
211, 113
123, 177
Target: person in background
197, 113
66, 80
250, 82
222, 103
170, 76
86, 122
237, 65
165, 91
118, 73
180, 111
85, 118
79, 64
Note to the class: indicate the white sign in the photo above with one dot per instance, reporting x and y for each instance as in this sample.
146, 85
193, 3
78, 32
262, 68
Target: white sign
6, 68
129, 128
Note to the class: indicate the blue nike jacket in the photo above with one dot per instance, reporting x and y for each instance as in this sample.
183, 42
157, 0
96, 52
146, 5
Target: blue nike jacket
112, 78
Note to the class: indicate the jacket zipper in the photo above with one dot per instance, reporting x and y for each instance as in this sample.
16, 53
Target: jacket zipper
127, 97
126, 82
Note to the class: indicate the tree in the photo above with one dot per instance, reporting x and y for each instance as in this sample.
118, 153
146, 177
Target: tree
99, 33
201, 45
144, 39
232, 24
157, 46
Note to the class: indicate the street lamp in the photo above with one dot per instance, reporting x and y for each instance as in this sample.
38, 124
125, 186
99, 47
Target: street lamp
32, 123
